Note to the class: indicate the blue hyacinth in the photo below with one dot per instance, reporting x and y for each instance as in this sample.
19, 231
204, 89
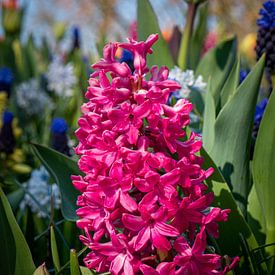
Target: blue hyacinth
267, 13
59, 126
59, 140
243, 74
260, 108
6, 79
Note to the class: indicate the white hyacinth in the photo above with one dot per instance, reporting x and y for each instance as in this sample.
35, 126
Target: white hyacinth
187, 80
61, 78
39, 192
31, 98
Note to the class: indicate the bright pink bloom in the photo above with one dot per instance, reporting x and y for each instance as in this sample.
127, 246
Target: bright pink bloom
143, 186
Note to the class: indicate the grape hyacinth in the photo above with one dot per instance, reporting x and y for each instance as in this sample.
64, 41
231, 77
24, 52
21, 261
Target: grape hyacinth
6, 79
143, 208
266, 36
39, 193
59, 129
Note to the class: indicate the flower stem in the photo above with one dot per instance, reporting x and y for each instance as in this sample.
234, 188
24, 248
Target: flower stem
187, 34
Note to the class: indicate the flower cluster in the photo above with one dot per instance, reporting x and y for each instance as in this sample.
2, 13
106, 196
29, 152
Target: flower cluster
56, 71
39, 193
187, 80
266, 36
32, 99
144, 207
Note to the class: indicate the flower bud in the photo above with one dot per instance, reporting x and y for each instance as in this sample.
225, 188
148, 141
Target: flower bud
12, 19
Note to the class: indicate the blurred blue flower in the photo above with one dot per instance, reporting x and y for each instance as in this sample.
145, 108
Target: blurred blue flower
128, 58
59, 141
7, 139
267, 13
76, 37
38, 187
59, 125
6, 79
243, 74
260, 108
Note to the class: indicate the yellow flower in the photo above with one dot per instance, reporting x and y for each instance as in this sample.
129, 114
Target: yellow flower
247, 46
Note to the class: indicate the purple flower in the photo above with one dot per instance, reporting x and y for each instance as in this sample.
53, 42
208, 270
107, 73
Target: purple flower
267, 13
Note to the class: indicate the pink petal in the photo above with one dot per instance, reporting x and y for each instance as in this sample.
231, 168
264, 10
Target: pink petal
142, 238
166, 229
159, 241
134, 223
127, 202
117, 263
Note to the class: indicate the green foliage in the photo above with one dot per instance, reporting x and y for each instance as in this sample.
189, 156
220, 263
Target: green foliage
16, 257
74, 266
54, 250
236, 228
229, 145
148, 24
216, 66
61, 168
263, 168
197, 39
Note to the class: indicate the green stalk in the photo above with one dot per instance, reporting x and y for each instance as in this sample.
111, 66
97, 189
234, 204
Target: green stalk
187, 34
270, 238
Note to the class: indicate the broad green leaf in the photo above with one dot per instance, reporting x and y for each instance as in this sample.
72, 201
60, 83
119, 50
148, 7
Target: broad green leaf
74, 265
41, 270
54, 251
209, 119
148, 24
217, 64
233, 127
263, 169
229, 241
16, 257
198, 37
61, 168
231, 83
256, 217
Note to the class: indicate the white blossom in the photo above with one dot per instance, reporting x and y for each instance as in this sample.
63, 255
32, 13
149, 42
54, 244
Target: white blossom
39, 192
31, 98
61, 78
187, 80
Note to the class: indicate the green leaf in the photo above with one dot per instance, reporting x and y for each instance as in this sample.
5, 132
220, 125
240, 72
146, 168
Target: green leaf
233, 127
217, 64
54, 251
74, 265
15, 198
61, 168
198, 37
231, 83
16, 257
229, 241
148, 24
209, 119
263, 169
256, 217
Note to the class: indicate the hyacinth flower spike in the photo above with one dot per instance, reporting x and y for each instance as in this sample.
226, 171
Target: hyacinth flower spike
266, 37
59, 129
141, 172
